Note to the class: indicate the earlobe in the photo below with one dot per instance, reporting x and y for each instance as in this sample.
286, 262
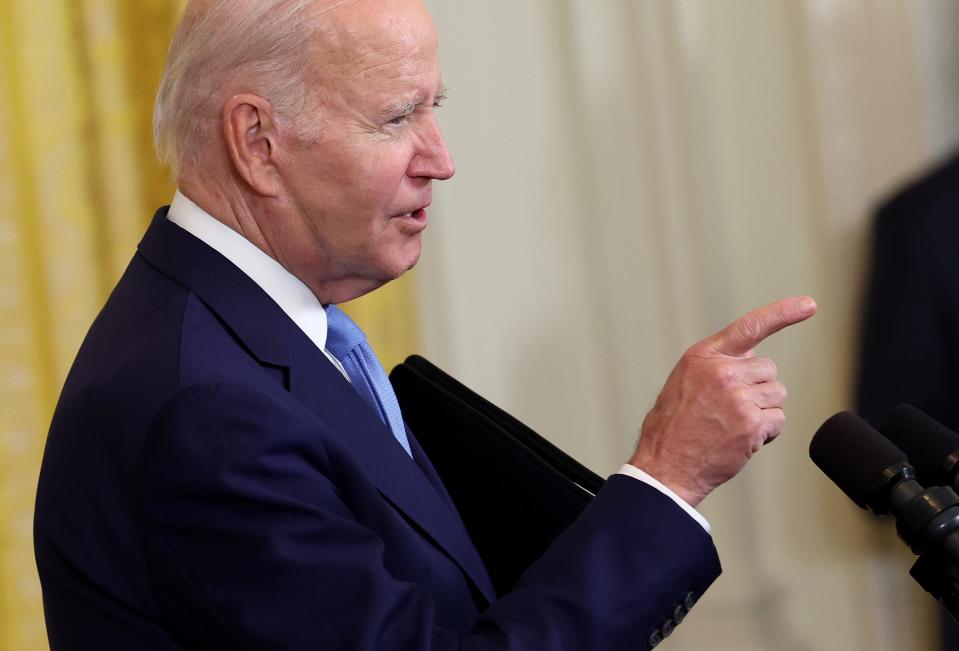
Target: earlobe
249, 132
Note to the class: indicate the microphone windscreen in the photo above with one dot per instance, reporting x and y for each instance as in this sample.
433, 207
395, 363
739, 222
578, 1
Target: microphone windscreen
854, 456
925, 440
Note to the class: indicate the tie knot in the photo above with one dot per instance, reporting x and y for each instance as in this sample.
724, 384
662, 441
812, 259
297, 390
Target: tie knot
342, 334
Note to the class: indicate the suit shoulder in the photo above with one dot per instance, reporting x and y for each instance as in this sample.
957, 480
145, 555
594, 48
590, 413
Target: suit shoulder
211, 352
133, 342
929, 202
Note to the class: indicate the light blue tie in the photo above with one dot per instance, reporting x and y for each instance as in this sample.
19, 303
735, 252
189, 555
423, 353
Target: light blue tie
347, 343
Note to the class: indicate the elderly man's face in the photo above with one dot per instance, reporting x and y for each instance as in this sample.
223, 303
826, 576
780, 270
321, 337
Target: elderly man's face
361, 189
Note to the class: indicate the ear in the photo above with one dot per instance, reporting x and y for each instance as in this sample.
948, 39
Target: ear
250, 132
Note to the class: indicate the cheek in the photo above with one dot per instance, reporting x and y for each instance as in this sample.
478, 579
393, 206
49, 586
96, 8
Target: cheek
354, 190
381, 177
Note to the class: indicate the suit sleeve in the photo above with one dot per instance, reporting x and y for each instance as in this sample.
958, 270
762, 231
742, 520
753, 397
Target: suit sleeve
250, 546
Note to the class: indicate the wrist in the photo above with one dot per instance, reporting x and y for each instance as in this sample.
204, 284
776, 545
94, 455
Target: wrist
674, 481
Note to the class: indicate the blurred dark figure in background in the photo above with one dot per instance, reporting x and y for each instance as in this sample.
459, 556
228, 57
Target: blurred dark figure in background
910, 336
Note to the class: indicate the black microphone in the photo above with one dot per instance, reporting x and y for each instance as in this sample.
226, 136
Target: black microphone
932, 448
875, 474
869, 469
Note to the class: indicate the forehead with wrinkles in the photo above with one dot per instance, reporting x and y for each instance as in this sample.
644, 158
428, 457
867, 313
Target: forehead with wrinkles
362, 36
368, 47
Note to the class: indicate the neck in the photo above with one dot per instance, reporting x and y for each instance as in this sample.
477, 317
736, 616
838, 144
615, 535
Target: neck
236, 209
230, 207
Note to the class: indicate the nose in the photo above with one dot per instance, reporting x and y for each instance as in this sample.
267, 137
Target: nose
432, 158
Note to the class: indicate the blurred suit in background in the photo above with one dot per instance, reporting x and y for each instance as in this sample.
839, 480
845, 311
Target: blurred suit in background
910, 335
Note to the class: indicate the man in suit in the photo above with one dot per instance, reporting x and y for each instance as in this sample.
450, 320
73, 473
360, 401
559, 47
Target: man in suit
226, 468
910, 345
910, 349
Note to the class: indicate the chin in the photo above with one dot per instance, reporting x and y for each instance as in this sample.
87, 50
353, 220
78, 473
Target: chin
404, 261
412, 262
394, 272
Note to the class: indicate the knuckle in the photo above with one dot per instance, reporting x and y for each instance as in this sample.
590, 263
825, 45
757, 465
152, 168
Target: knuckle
774, 393
752, 421
683, 371
725, 376
769, 367
774, 424
742, 402
779, 419
696, 350
781, 391
762, 369
687, 359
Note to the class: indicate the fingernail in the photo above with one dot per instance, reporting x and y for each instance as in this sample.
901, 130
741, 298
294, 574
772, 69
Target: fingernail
807, 305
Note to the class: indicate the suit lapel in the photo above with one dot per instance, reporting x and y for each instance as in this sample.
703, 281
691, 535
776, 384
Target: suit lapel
318, 384
423, 463
246, 310
273, 339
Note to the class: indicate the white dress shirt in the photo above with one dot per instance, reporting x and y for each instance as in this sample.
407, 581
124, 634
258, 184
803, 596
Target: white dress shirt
302, 306
289, 292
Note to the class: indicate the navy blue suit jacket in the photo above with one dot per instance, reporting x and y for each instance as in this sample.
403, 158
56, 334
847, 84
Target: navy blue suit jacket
910, 328
910, 333
211, 481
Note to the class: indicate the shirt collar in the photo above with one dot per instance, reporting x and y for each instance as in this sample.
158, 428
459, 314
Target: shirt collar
288, 291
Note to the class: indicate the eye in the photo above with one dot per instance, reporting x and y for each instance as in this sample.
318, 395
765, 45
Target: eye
399, 120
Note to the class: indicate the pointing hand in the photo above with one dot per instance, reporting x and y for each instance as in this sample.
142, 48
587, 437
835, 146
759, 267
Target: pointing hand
719, 405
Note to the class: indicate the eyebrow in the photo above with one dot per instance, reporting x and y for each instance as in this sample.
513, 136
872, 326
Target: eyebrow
406, 107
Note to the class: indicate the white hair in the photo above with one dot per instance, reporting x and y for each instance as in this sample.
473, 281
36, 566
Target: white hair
258, 46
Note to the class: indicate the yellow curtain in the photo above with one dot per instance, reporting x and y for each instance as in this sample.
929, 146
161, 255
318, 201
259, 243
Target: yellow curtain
78, 184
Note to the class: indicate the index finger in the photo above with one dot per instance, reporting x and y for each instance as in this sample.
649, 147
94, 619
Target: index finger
749, 330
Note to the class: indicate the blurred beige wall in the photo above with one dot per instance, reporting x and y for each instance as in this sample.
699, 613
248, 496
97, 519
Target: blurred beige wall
632, 176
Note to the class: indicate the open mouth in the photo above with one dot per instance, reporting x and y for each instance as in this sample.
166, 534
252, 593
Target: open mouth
417, 215
415, 220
